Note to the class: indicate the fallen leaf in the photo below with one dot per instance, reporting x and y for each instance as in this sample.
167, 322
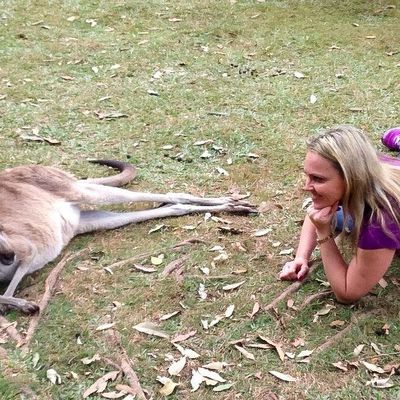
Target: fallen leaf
206, 373
382, 283
221, 388
101, 384
157, 260
168, 316
233, 286
184, 336
168, 385
216, 365
150, 328
283, 377
313, 99
276, 346
298, 75
104, 327
110, 115
189, 353
358, 349
262, 232
142, 268
53, 376
337, 323
286, 252
305, 353
378, 383
256, 309
376, 348
202, 291
229, 311
196, 380
372, 367
244, 352
176, 367
340, 365
156, 228
88, 361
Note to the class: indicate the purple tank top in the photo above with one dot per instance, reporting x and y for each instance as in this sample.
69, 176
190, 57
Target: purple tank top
372, 235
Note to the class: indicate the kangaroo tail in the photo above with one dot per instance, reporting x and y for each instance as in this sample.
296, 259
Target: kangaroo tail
127, 173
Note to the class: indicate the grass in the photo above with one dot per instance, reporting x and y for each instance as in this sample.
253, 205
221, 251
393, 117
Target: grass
183, 72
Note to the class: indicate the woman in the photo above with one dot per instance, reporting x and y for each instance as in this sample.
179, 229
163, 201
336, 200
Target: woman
343, 169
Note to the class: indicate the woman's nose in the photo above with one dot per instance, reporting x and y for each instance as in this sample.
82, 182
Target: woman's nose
307, 185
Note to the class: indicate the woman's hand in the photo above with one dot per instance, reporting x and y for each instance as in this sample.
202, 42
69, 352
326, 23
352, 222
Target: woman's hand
294, 270
322, 218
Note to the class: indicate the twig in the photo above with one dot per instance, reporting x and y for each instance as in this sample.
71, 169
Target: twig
10, 329
315, 296
355, 319
123, 363
50, 285
150, 253
294, 287
175, 267
3, 353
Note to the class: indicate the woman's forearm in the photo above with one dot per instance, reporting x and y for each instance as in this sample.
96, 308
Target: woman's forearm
308, 240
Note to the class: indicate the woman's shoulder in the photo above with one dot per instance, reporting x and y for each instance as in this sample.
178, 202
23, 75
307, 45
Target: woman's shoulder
379, 234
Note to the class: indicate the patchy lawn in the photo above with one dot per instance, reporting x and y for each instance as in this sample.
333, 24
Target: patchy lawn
211, 98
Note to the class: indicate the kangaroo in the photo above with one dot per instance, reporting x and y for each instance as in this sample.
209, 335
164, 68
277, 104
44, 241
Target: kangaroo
40, 212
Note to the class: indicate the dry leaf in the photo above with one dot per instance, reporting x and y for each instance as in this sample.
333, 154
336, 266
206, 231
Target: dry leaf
340, 365
276, 346
358, 349
168, 385
378, 383
286, 252
305, 353
372, 367
53, 376
110, 115
216, 365
104, 327
101, 384
229, 311
245, 353
298, 75
337, 323
313, 99
262, 232
189, 353
382, 283
256, 309
283, 377
142, 268
88, 360
157, 260
196, 380
206, 373
182, 337
150, 328
168, 316
233, 286
176, 367
221, 388
202, 291
156, 228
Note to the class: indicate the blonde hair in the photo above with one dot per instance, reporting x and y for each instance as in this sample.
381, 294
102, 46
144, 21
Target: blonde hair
371, 185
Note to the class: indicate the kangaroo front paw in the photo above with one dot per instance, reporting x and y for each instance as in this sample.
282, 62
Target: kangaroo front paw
14, 303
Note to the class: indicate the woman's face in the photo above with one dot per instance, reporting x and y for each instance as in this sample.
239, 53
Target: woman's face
323, 181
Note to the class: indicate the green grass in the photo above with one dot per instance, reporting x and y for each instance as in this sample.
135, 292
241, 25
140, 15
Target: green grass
224, 72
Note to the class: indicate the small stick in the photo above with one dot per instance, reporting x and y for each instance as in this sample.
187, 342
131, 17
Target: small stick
312, 297
355, 319
50, 285
294, 287
150, 253
10, 329
175, 266
123, 364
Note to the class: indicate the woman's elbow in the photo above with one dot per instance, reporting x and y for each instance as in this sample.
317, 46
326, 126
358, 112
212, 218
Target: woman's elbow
347, 298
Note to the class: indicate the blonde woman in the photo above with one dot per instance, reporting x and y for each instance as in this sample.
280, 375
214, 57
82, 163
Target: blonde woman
343, 171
